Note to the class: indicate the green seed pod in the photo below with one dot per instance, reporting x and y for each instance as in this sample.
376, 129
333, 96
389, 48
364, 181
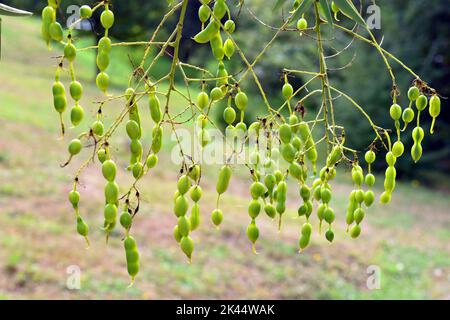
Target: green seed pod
369, 198
418, 134
335, 156
132, 256
152, 161
421, 102
76, 115
220, 9
306, 229
136, 148
304, 241
102, 60
224, 179
74, 198
110, 213
194, 172
222, 73
270, 181
202, 100
349, 218
229, 115
157, 139
85, 12
329, 235
296, 171
397, 149
102, 81
76, 90
98, 128
111, 192
359, 196
416, 152
321, 211
328, 215
217, 217
325, 194
257, 189
181, 206
125, 220
370, 157
208, 32
216, 94
56, 32
75, 147
228, 48
390, 158
293, 122
270, 210
302, 24
253, 232
107, 19
357, 177
254, 208
202, 121
359, 215
176, 234
47, 15
101, 155
317, 193
413, 93
355, 231
408, 115
204, 137
280, 207
82, 227
370, 180
109, 170
302, 210
395, 112
288, 152
130, 243
155, 108
138, 170
230, 26
385, 197
195, 193
435, 110
183, 184
217, 50
285, 133
241, 101
194, 218
287, 91
305, 192
70, 52
104, 44
183, 226
278, 176
204, 12
133, 129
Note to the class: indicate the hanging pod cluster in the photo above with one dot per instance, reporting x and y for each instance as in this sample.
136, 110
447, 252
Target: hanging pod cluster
281, 147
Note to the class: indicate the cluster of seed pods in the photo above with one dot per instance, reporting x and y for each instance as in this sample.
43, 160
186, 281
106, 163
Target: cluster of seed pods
290, 157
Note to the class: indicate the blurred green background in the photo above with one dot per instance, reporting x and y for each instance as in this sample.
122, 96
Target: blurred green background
408, 240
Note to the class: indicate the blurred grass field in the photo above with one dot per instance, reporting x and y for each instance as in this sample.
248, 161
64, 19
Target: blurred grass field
409, 240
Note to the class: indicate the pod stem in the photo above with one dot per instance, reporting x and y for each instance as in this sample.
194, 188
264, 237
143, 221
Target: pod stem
131, 283
279, 224
88, 243
62, 125
254, 248
432, 126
